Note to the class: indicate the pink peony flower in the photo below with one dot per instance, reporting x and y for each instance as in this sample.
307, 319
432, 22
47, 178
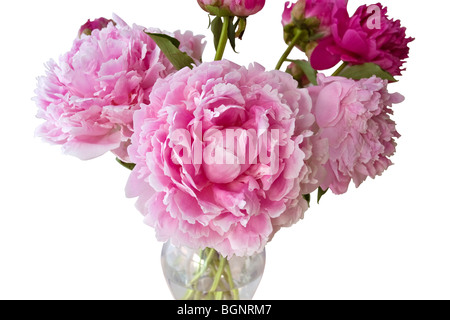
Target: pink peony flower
239, 8
192, 44
88, 99
355, 117
368, 36
90, 26
287, 13
223, 156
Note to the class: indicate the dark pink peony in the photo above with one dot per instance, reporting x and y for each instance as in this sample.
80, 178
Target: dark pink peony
355, 118
368, 36
88, 99
198, 187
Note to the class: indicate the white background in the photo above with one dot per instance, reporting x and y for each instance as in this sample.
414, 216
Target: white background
68, 232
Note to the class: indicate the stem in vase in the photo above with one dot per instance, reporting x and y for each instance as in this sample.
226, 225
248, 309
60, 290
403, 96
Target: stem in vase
218, 269
218, 275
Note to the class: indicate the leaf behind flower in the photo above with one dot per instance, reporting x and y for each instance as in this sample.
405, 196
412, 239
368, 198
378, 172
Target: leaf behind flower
169, 46
365, 71
310, 73
320, 194
307, 197
129, 166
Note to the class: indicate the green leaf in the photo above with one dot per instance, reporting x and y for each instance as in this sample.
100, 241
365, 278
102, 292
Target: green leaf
310, 73
169, 46
172, 40
232, 33
129, 166
210, 21
320, 194
365, 71
242, 25
307, 197
216, 28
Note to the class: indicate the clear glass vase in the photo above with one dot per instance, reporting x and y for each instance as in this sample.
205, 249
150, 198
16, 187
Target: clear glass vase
206, 275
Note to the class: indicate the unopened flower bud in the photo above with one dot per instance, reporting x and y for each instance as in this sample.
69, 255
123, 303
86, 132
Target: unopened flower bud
311, 17
90, 26
297, 73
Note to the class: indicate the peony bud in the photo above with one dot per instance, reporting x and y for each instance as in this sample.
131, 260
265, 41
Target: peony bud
298, 74
313, 18
90, 26
238, 8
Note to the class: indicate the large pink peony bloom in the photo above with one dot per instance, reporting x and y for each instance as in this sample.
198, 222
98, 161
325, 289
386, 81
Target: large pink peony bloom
368, 36
89, 97
200, 179
355, 117
239, 8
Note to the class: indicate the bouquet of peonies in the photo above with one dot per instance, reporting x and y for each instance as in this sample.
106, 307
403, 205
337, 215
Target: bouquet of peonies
223, 156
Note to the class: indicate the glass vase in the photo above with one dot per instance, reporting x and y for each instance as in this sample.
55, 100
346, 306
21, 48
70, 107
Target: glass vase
206, 275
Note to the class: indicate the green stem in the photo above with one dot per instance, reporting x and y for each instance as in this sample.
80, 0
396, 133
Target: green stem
218, 275
340, 69
223, 39
190, 293
219, 271
204, 267
288, 50
229, 277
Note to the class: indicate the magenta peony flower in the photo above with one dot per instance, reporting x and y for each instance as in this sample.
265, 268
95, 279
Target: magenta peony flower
355, 117
223, 156
88, 99
368, 36
239, 8
90, 26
